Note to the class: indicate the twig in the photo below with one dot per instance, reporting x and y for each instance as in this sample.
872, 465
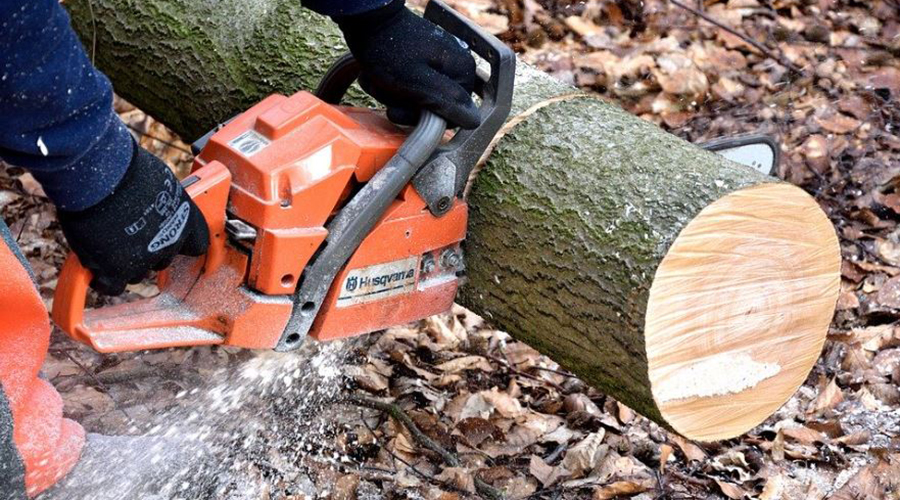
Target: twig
97, 381
128, 376
450, 459
157, 139
515, 370
412, 467
758, 46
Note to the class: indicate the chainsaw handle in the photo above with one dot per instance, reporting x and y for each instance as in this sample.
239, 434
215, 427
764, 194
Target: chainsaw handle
208, 188
338, 79
447, 172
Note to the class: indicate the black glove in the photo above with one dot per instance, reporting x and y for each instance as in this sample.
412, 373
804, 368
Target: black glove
409, 63
146, 221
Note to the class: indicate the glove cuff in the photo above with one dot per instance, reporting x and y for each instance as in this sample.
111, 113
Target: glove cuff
371, 21
142, 168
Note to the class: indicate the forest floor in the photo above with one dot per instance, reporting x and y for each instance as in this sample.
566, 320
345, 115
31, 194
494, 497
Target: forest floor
822, 76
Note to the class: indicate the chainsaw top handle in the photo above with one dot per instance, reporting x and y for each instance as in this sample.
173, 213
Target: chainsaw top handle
447, 171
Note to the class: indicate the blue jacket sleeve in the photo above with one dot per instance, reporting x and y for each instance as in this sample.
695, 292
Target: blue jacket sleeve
56, 116
343, 7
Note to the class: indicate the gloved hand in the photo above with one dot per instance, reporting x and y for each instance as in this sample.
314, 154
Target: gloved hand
146, 221
408, 63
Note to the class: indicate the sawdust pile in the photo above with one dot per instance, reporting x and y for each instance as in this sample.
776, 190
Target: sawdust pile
821, 75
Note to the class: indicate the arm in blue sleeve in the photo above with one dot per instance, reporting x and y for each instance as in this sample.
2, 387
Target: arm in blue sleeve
333, 8
56, 116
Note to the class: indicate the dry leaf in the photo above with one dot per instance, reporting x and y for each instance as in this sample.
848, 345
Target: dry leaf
690, 450
368, 378
544, 473
465, 363
665, 453
729, 489
889, 295
830, 397
586, 455
477, 430
345, 487
872, 482
503, 403
838, 123
677, 75
620, 489
459, 477
626, 415
803, 435
774, 488
778, 446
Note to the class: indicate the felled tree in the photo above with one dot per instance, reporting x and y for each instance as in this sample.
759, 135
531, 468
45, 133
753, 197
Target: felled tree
692, 289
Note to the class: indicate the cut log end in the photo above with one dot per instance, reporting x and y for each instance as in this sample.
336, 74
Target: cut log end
739, 309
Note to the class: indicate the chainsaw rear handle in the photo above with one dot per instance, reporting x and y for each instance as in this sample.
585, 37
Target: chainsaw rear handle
208, 188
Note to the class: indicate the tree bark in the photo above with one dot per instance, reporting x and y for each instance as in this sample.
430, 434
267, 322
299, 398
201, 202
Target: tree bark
571, 215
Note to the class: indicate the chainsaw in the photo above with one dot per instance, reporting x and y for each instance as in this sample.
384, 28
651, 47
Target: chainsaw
325, 221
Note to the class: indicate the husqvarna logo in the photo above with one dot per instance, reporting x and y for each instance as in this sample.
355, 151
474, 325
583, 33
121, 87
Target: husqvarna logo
378, 282
171, 229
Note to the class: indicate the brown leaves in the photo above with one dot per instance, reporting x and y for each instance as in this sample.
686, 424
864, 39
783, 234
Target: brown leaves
837, 123
691, 451
830, 397
586, 455
621, 489
873, 482
730, 490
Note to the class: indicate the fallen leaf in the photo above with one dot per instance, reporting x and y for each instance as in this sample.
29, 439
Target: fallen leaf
504, 404
729, 489
626, 415
889, 295
778, 446
465, 363
580, 402
345, 487
586, 455
838, 123
477, 430
368, 378
544, 473
621, 488
678, 75
855, 439
691, 451
803, 435
459, 477
774, 488
830, 397
872, 482
30, 185
665, 453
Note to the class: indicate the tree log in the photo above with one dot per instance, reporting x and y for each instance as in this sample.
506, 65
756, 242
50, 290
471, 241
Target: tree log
692, 289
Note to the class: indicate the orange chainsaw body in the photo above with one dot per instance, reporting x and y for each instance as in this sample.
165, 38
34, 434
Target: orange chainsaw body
279, 172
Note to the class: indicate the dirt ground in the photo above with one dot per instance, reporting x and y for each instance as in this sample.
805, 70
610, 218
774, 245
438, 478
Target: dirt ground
483, 414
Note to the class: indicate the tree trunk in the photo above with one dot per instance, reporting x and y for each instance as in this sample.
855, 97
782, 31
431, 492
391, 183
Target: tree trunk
692, 289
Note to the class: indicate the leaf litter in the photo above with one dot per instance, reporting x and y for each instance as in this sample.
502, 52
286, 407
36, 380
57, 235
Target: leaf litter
512, 418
